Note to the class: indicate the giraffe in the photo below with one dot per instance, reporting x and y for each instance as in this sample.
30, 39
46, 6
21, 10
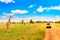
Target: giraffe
8, 22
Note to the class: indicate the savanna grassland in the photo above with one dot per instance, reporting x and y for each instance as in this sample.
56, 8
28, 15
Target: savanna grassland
20, 31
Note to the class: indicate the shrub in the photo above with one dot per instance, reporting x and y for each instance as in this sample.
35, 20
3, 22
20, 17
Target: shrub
31, 21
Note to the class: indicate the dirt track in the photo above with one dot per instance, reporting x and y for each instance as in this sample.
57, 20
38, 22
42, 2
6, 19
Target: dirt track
52, 34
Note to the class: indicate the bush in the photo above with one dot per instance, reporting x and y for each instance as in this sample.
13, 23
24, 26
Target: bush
57, 22
22, 21
31, 21
37, 21
13, 22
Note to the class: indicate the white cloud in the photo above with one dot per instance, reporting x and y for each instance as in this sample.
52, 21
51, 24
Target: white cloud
34, 18
32, 5
54, 8
37, 18
19, 11
7, 1
16, 19
3, 16
41, 9
3, 19
13, 12
8, 14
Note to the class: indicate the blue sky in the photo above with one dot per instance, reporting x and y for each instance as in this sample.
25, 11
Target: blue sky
48, 10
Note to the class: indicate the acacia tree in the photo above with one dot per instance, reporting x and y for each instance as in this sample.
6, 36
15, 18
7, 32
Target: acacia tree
31, 21
22, 21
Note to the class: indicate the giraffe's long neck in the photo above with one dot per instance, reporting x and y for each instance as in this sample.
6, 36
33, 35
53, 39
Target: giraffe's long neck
9, 20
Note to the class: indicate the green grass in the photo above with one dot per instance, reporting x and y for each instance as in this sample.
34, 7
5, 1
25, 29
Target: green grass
22, 32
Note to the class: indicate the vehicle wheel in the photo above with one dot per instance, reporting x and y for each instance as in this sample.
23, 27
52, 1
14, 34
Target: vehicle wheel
48, 27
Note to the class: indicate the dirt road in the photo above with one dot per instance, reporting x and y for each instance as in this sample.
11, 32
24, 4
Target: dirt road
52, 34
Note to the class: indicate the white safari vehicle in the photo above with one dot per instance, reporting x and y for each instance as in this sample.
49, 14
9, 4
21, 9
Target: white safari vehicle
48, 25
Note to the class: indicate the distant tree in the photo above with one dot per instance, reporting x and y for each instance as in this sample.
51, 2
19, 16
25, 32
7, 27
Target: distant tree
44, 21
37, 21
31, 21
57, 21
51, 21
13, 22
22, 21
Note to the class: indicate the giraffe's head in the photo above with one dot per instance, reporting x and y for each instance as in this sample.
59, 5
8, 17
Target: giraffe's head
11, 16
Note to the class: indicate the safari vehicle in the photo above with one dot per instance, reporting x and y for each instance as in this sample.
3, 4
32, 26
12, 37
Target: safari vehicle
48, 25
